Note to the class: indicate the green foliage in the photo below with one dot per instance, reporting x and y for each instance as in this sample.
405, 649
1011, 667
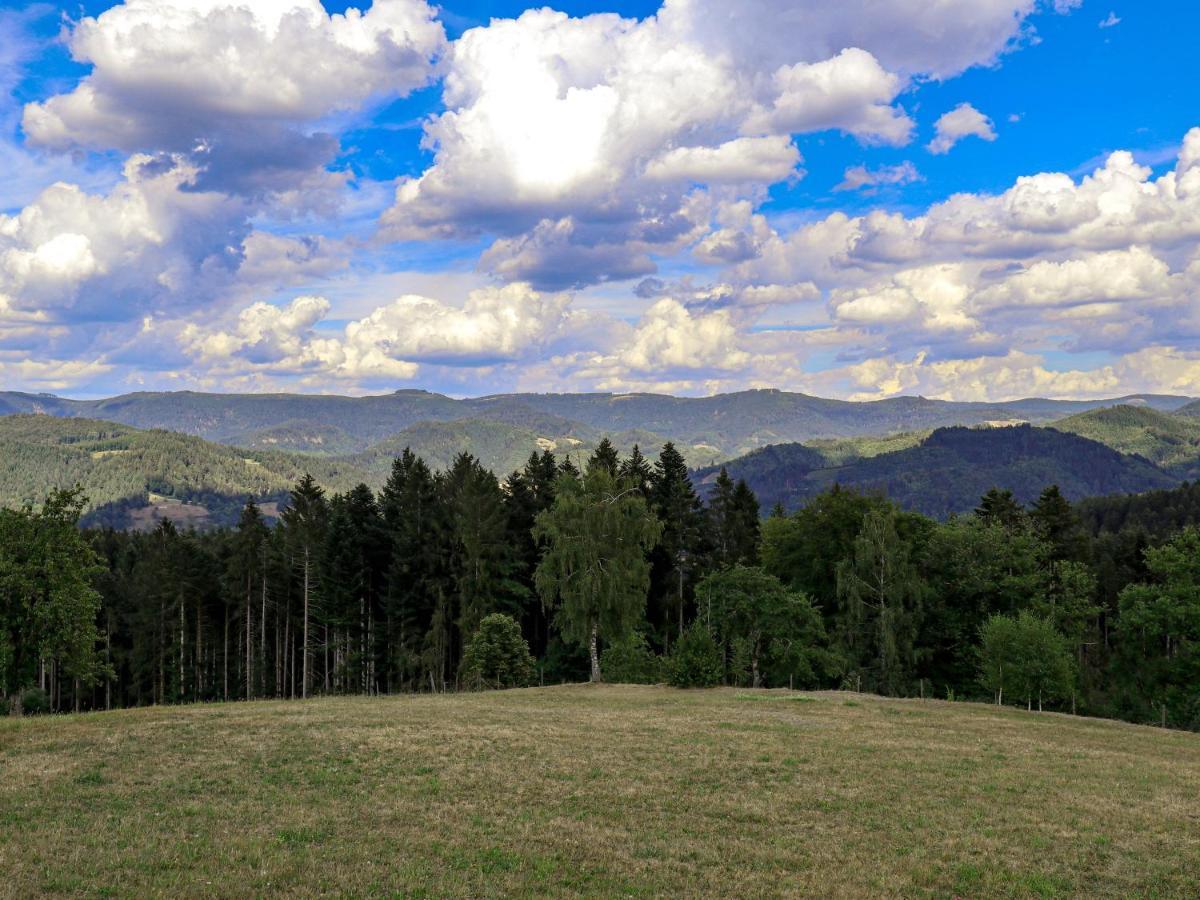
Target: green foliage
631, 661
48, 604
1025, 658
497, 656
880, 594
771, 634
594, 570
1160, 629
696, 660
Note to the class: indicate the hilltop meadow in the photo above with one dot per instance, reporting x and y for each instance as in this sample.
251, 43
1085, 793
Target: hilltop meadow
597, 791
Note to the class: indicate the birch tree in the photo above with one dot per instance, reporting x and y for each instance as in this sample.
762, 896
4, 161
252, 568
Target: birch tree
594, 572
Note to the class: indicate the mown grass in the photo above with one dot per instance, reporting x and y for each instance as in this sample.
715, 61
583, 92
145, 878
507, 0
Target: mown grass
597, 791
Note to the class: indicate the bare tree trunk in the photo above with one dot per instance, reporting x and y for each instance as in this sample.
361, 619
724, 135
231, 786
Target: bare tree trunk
249, 635
262, 627
182, 649
199, 651
108, 661
594, 650
304, 666
225, 658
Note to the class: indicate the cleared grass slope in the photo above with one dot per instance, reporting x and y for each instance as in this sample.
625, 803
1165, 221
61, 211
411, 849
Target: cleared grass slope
602, 791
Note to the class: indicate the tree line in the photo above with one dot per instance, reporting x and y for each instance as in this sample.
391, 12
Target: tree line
619, 571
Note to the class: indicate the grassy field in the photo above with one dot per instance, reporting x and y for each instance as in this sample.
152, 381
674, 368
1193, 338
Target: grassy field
597, 791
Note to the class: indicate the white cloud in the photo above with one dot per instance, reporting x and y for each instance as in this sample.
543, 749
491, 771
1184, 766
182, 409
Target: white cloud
1111, 20
962, 121
237, 86
494, 326
563, 134
851, 92
860, 178
747, 159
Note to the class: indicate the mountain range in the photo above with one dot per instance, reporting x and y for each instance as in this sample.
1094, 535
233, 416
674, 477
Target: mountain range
195, 457
723, 425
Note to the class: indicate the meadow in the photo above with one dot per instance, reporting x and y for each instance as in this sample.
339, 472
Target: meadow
597, 791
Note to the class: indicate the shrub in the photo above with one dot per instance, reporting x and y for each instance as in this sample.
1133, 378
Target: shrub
631, 661
696, 659
497, 656
34, 702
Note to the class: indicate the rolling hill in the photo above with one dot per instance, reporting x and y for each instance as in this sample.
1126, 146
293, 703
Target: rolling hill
1171, 442
948, 471
125, 471
729, 424
134, 476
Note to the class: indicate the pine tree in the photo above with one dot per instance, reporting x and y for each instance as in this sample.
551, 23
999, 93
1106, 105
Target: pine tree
636, 469
420, 540
305, 522
678, 556
1060, 525
606, 456
1000, 506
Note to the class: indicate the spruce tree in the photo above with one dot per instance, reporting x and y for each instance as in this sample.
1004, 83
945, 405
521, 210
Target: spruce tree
605, 455
678, 556
304, 521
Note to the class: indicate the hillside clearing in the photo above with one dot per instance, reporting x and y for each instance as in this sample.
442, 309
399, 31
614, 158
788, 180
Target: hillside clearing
598, 791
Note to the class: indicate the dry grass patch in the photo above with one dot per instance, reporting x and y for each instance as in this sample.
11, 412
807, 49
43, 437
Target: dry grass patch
597, 791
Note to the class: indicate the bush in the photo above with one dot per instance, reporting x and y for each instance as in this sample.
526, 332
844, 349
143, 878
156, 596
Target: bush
631, 661
498, 655
34, 702
696, 660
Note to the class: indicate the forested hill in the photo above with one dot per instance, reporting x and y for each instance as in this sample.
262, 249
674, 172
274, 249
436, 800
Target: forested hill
1170, 441
948, 471
133, 476
123, 470
724, 424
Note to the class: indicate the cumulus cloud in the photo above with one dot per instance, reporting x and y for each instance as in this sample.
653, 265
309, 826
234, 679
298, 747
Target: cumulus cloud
495, 326
939, 302
1110, 20
238, 86
632, 132
961, 122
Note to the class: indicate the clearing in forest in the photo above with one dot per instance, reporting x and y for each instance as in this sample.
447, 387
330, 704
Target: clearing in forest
613, 790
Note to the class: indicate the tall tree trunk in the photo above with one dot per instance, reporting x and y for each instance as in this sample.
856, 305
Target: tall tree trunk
262, 627
199, 653
304, 665
249, 637
225, 658
594, 650
108, 662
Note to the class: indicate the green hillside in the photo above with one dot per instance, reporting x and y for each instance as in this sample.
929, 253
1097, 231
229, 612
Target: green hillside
119, 465
949, 470
1171, 442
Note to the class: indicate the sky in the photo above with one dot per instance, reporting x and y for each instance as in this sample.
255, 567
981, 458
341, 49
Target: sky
969, 199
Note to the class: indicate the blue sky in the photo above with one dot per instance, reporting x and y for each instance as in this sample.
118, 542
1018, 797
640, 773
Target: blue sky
706, 196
